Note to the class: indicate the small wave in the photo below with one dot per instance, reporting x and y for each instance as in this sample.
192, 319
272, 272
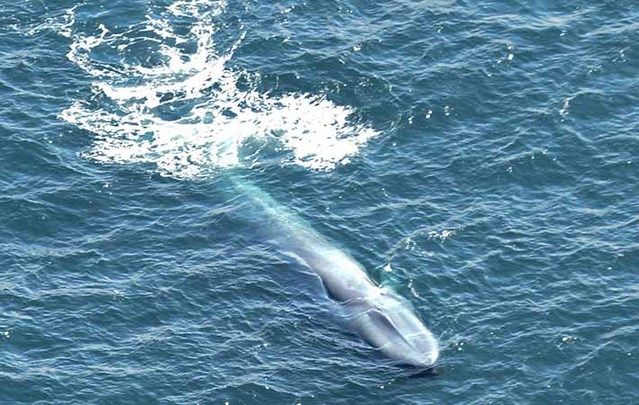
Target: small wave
183, 111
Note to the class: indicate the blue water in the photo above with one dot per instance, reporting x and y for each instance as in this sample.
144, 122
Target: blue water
481, 159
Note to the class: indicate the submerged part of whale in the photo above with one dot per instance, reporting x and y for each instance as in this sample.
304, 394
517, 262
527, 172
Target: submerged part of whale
379, 316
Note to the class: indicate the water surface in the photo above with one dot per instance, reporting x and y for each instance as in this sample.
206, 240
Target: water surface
479, 158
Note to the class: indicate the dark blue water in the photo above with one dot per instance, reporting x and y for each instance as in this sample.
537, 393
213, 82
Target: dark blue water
481, 159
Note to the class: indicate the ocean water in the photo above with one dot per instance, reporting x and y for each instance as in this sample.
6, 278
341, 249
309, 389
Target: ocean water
480, 159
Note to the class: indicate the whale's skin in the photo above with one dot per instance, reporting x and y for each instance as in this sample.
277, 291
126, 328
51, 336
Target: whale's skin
377, 315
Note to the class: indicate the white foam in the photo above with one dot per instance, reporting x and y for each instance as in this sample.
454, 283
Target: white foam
219, 117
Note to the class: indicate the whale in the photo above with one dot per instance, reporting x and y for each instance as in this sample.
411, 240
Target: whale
380, 317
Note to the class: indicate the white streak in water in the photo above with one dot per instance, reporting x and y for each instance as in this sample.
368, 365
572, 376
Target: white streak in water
129, 127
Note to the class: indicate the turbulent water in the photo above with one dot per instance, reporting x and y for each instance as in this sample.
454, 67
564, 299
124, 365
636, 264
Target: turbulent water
480, 159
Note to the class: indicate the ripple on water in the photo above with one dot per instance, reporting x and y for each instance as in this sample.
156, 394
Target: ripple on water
485, 154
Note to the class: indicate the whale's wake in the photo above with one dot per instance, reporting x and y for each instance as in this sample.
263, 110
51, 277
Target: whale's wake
162, 94
169, 100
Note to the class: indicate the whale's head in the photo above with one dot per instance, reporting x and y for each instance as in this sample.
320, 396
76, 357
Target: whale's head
386, 322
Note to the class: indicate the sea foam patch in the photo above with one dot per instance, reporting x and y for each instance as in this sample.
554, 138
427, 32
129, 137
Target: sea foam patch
177, 105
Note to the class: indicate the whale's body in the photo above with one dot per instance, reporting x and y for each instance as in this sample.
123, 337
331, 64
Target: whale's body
376, 314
